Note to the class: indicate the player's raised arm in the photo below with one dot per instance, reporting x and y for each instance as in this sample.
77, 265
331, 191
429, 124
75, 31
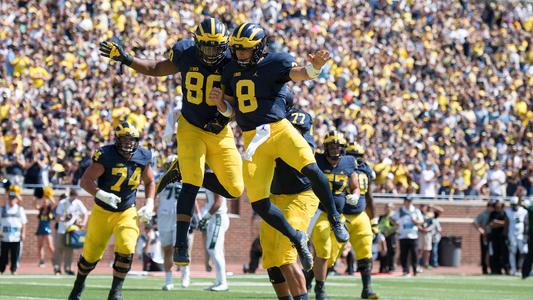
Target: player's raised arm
114, 49
312, 68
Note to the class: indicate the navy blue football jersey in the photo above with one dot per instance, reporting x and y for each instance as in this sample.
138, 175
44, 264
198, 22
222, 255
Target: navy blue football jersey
197, 81
121, 176
260, 91
338, 176
287, 180
365, 176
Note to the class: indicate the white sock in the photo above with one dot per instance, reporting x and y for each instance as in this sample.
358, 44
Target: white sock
185, 272
168, 277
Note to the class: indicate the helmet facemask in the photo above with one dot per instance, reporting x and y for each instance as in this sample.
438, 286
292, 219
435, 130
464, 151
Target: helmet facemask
211, 53
334, 150
126, 144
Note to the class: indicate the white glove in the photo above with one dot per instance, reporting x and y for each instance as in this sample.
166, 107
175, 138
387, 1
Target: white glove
146, 212
202, 225
108, 198
352, 199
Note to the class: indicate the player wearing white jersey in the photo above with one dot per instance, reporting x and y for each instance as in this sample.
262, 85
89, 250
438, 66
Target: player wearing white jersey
517, 245
215, 222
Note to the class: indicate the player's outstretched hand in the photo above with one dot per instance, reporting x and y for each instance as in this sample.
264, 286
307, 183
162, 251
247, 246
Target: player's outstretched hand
114, 49
216, 96
319, 58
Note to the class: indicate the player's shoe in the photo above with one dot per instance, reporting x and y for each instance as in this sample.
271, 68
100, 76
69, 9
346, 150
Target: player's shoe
168, 287
321, 294
222, 287
172, 174
369, 294
75, 294
306, 258
339, 229
114, 295
181, 256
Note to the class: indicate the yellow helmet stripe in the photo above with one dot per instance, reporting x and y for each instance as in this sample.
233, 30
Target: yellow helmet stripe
244, 42
240, 30
256, 31
201, 29
213, 26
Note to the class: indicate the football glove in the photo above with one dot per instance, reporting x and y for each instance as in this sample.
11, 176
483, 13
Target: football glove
114, 49
202, 225
352, 199
146, 212
108, 198
374, 224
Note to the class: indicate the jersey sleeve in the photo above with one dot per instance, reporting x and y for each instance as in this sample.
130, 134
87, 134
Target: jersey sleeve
176, 52
285, 63
226, 82
98, 156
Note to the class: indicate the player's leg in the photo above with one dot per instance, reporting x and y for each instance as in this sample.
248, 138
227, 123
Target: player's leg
279, 284
126, 232
216, 229
191, 156
224, 159
167, 236
295, 151
322, 242
295, 280
528, 261
258, 175
361, 240
99, 230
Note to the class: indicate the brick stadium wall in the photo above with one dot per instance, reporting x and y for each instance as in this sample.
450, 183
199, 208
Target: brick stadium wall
456, 220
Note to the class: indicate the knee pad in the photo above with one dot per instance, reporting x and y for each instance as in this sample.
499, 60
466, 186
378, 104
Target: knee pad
186, 199
122, 263
364, 265
85, 267
275, 275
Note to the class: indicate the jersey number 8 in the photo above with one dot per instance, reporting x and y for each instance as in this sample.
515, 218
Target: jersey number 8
245, 91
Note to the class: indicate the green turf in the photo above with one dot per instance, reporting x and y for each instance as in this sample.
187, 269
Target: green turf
257, 287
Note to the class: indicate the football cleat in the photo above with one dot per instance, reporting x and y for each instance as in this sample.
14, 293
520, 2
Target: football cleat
222, 287
181, 256
172, 174
339, 230
306, 258
114, 295
168, 287
321, 294
75, 294
369, 294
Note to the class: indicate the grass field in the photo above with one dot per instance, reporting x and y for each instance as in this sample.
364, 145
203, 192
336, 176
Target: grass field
257, 287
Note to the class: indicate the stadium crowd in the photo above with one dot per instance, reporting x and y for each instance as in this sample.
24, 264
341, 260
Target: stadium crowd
439, 93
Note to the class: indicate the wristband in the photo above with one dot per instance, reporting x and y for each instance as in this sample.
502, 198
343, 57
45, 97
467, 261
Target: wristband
311, 71
229, 110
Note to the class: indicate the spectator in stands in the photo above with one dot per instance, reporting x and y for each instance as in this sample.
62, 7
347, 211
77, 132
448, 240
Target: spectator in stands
481, 222
515, 234
69, 211
496, 180
498, 222
14, 163
389, 230
46, 207
12, 230
408, 218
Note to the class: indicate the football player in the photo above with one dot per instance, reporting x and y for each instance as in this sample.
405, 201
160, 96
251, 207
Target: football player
361, 221
340, 170
255, 83
215, 222
203, 133
292, 193
113, 178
